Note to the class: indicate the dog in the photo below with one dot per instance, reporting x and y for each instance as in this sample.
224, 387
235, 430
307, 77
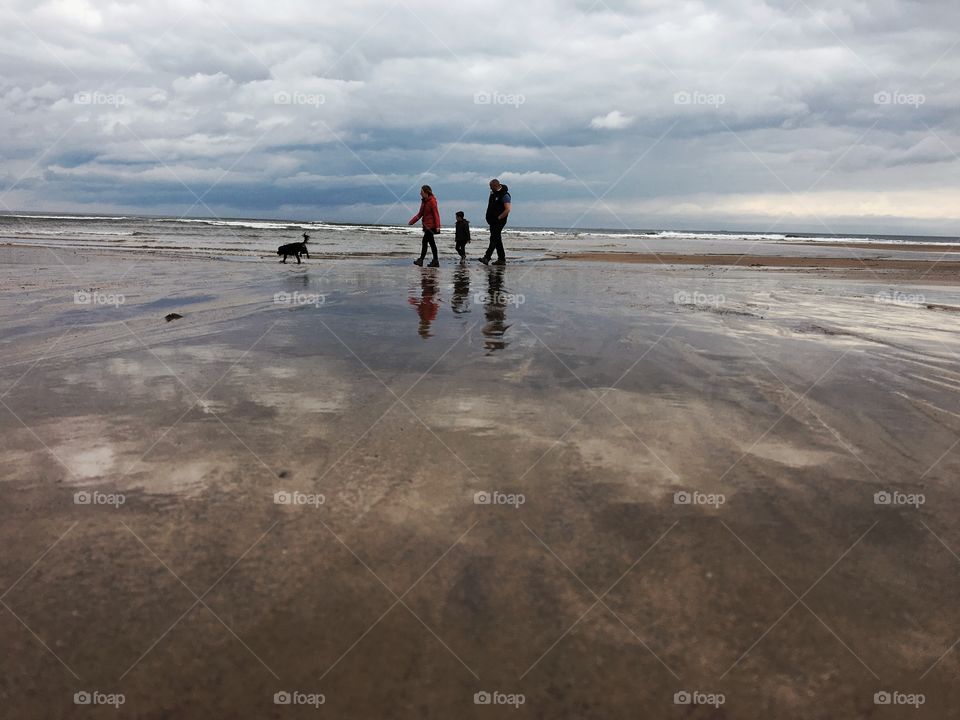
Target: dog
296, 249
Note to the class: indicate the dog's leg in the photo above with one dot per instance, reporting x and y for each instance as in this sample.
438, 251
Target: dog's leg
298, 258
284, 261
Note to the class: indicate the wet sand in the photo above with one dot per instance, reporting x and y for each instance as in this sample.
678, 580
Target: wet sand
936, 266
934, 248
596, 390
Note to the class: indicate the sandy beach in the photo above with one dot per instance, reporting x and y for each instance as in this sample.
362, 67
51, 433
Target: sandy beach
681, 464
935, 267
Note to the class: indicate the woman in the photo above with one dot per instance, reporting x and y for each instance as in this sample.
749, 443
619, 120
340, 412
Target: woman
430, 213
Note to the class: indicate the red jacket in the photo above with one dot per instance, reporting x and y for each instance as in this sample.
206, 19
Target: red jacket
430, 213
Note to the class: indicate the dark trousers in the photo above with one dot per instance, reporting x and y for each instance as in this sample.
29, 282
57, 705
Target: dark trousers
496, 240
461, 250
428, 240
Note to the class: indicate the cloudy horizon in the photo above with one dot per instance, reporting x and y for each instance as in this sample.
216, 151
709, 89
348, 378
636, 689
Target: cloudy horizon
763, 116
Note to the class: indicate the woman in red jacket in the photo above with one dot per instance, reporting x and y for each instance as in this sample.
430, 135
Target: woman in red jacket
430, 213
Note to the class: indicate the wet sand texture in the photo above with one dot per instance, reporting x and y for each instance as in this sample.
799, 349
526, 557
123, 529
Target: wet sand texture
597, 391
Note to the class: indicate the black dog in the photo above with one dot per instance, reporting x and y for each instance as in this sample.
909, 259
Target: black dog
295, 249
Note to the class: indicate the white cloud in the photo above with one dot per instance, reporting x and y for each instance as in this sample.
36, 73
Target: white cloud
613, 120
532, 178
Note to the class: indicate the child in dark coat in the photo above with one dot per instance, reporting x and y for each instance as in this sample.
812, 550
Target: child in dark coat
463, 237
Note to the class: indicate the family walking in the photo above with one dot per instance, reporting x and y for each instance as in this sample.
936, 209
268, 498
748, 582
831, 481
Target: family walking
498, 210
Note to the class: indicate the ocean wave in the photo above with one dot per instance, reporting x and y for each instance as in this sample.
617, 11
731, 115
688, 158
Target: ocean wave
682, 235
80, 232
251, 224
62, 217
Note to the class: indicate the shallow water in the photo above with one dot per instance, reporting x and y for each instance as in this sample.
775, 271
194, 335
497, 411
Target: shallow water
596, 391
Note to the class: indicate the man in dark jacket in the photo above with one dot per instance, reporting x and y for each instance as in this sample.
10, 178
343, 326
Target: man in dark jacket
498, 209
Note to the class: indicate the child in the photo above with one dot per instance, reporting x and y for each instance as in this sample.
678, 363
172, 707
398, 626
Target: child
463, 237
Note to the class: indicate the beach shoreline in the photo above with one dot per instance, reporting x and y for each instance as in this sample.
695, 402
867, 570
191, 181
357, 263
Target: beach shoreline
596, 391
934, 269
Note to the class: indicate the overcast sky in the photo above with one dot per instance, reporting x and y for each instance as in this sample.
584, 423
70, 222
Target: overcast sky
739, 114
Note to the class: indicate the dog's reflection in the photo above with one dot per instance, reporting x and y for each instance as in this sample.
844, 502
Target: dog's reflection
428, 304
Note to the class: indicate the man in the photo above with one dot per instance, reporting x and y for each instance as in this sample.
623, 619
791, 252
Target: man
498, 209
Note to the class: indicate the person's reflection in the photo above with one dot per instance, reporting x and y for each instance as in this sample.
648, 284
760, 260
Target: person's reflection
495, 310
460, 303
427, 304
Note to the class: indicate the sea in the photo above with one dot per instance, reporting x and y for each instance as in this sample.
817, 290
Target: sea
252, 239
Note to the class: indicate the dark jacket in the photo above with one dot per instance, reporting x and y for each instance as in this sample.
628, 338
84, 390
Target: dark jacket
463, 232
495, 206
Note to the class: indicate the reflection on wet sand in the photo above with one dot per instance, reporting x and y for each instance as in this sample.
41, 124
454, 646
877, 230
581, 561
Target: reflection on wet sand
495, 310
460, 303
701, 398
427, 304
